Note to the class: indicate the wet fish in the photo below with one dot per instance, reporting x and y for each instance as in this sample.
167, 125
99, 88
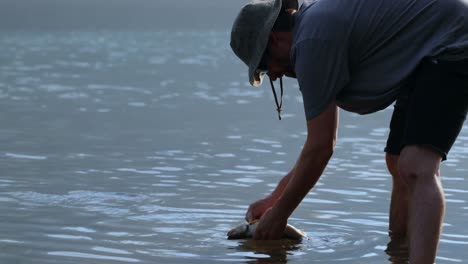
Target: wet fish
247, 230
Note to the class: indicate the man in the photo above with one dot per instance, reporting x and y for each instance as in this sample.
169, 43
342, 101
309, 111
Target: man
363, 55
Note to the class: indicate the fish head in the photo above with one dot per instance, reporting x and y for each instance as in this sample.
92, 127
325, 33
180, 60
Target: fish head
238, 232
241, 231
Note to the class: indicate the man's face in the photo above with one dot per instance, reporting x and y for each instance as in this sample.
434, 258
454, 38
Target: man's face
277, 55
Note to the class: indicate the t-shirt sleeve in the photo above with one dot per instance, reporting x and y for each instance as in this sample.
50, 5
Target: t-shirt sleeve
321, 68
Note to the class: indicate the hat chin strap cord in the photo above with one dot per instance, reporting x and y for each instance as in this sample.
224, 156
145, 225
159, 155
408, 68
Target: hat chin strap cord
278, 104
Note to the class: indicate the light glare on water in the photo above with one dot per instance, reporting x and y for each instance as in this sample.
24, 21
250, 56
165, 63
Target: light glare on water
148, 147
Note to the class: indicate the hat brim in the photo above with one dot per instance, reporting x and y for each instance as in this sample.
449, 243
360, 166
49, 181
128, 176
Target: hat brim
255, 76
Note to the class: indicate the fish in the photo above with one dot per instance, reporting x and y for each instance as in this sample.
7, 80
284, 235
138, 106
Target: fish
247, 230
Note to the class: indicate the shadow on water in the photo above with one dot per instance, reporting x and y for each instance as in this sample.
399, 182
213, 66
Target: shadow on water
268, 251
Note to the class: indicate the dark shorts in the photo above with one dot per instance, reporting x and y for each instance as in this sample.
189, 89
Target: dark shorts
432, 108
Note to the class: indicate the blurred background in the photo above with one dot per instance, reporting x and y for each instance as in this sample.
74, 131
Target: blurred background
117, 14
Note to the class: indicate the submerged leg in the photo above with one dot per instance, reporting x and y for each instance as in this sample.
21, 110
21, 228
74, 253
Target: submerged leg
419, 168
398, 221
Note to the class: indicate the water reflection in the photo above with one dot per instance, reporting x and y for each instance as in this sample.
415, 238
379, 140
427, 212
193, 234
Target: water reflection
270, 251
397, 250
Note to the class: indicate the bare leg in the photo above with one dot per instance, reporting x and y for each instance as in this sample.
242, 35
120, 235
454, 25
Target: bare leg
399, 200
419, 168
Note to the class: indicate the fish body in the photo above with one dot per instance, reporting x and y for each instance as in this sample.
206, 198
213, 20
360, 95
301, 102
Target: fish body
247, 230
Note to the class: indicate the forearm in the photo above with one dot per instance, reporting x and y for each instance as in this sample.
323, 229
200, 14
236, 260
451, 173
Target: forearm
276, 194
307, 172
317, 151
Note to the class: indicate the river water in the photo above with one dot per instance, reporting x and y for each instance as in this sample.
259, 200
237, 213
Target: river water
123, 147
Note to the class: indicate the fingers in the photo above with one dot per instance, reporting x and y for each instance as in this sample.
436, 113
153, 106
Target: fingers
249, 216
255, 211
252, 215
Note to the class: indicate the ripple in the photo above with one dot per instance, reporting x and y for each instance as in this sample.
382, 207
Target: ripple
90, 256
25, 156
80, 229
203, 85
94, 200
359, 200
6, 199
449, 259
173, 253
118, 88
151, 172
242, 101
137, 104
56, 88
118, 234
206, 96
111, 250
10, 241
241, 92
74, 95
442, 240
249, 167
165, 83
171, 169
258, 150
170, 230
71, 237
264, 141
249, 254
319, 201
249, 180
345, 192
366, 222
158, 60
133, 242
200, 60
225, 155
234, 171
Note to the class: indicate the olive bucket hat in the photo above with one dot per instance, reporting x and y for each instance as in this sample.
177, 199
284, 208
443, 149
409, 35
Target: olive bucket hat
251, 31
250, 34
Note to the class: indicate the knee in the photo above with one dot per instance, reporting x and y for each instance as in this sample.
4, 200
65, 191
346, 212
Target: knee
418, 167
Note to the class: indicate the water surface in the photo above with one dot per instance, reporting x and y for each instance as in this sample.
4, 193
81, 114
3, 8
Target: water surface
147, 147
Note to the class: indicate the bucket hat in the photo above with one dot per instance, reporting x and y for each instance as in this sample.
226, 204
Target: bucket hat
251, 31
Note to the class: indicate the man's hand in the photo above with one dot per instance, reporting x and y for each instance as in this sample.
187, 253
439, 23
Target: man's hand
271, 226
258, 208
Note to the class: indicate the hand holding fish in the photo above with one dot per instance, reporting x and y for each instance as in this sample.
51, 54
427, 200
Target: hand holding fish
258, 208
271, 226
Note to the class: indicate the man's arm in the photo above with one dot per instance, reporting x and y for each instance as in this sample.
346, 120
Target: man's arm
258, 208
317, 151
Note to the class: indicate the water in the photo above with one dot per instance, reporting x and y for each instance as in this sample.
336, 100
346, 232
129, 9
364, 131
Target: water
147, 147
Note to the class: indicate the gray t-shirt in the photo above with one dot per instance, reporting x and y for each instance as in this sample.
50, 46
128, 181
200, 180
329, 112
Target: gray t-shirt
360, 52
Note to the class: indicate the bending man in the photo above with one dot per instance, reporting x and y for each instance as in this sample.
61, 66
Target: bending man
362, 56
